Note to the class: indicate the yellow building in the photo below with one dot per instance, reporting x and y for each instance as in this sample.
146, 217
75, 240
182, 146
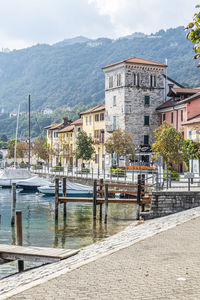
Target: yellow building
67, 140
53, 141
94, 126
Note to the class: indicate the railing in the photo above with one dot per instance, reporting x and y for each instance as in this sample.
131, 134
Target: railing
99, 173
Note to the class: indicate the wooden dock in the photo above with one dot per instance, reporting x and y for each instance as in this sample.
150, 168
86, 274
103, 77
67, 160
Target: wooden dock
107, 194
36, 254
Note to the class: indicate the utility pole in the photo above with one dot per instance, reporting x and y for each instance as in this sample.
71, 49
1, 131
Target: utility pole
29, 132
166, 81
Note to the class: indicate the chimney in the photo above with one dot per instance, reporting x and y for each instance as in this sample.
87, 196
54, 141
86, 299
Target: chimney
66, 121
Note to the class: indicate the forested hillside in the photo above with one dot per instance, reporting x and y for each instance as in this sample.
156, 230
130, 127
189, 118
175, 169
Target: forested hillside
69, 72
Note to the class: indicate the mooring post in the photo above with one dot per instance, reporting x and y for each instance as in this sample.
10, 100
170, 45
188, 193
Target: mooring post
106, 204
138, 198
64, 195
143, 189
94, 199
188, 184
19, 237
13, 204
56, 197
100, 206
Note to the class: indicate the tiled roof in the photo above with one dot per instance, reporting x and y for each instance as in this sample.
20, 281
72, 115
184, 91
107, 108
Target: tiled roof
67, 128
94, 109
194, 120
172, 102
136, 60
53, 126
78, 122
178, 91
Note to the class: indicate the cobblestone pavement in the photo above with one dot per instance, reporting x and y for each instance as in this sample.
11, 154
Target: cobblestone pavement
164, 266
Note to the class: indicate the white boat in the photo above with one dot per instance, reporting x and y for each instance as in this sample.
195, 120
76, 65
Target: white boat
11, 175
73, 190
32, 184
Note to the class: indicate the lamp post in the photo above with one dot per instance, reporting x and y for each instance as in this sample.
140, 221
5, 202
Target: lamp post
191, 153
98, 160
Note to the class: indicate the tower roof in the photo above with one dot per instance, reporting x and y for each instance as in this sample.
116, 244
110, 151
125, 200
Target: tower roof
136, 60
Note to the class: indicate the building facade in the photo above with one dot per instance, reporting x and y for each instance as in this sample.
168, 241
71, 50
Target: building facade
94, 126
134, 88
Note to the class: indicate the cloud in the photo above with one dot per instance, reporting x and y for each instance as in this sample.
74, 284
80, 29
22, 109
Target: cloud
47, 21
26, 22
128, 16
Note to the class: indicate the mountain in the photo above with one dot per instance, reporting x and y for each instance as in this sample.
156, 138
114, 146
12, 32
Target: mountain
69, 72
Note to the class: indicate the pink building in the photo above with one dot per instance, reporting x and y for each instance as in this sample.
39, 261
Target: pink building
183, 106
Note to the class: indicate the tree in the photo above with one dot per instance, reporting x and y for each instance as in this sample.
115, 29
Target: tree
85, 148
194, 34
190, 150
168, 144
21, 150
4, 138
121, 143
40, 149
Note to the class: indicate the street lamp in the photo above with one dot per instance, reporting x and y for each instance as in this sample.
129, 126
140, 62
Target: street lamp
191, 153
98, 160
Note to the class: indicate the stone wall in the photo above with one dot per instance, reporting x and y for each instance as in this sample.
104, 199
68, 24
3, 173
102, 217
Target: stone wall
166, 203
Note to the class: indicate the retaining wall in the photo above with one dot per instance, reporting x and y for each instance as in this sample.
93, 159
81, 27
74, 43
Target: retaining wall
170, 202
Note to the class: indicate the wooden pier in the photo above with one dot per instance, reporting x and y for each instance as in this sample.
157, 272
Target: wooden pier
36, 254
106, 194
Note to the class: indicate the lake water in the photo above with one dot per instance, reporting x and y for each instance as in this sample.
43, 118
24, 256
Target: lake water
39, 226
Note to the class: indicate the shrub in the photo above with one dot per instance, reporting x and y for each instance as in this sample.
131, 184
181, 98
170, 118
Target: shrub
174, 175
117, 172
137, 168
58, 169
84, 170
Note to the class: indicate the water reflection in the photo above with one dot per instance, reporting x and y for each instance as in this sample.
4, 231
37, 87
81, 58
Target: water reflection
76, 230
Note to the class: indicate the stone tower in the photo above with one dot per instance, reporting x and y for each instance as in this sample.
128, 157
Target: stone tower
134, 88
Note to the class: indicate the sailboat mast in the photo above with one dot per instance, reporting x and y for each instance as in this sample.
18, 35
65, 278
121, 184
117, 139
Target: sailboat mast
15, 153
29, 132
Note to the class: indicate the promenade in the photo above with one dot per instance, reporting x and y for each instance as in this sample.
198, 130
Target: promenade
159, 259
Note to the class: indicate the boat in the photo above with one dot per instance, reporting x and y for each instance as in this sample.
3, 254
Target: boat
73, 190
32, 184
11, 175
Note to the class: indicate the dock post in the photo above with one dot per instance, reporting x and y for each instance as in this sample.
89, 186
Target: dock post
56, 198
100, 205
19, 237
143, 189
94, 199
106, 204
13, 204
138, 198
64, 195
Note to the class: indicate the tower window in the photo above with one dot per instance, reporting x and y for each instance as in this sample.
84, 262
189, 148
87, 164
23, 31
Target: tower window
152, 81
146, 120
146, 140
147, 100
110, 82
118, 79
114, 101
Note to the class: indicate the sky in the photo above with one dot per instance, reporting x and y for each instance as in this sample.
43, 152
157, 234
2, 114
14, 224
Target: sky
24, 23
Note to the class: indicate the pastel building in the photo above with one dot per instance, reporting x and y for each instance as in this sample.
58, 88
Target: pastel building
94, 126
182, 107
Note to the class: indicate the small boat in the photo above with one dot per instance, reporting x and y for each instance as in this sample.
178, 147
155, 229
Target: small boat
73, 190
32, 184
11, 175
